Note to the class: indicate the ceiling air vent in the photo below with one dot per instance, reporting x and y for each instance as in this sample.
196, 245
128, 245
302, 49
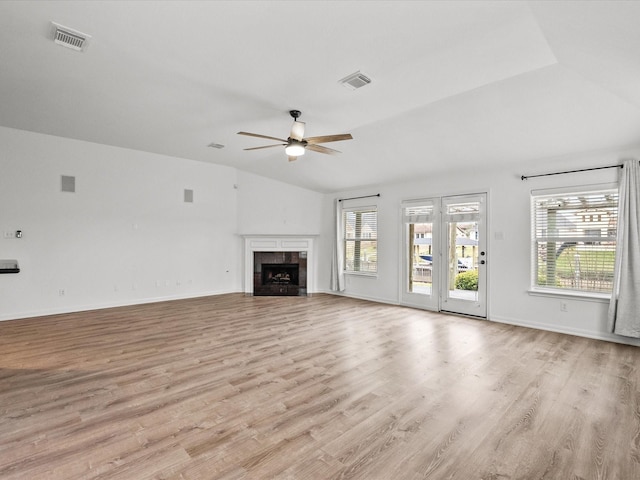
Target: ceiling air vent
70, 38
355, 80
215, 145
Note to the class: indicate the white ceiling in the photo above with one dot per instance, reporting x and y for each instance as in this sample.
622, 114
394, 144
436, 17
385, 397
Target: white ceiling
455, 85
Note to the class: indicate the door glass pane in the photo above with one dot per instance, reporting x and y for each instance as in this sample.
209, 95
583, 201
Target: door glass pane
420, 249
462, 252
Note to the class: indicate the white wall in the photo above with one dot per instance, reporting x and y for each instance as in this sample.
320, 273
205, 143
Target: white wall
269, 207
126, 236
508, 258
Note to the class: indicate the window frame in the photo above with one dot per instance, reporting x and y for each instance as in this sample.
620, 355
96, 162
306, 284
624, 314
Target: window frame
358, 240
584, 239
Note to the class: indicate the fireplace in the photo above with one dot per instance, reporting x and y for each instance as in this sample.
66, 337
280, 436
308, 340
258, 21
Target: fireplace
284, 251
280, 273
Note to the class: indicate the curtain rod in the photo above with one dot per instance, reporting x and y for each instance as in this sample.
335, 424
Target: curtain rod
524, 177
355, 198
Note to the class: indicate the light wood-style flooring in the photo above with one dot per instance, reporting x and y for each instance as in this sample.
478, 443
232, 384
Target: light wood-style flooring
233, 387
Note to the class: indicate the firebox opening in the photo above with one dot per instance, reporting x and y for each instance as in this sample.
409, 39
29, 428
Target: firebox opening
280, 274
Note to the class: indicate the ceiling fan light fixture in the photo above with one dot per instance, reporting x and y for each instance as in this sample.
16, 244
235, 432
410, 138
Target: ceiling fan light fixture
296, 145
294, 149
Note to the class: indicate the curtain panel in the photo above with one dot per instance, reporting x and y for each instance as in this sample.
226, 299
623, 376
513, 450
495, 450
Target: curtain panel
337, 271
624, 308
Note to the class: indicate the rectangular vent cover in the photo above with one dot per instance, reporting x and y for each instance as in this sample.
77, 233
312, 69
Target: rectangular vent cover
355, 80
67, 183
215, 145
67, 37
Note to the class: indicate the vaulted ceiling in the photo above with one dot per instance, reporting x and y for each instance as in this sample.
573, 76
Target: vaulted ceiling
455, 86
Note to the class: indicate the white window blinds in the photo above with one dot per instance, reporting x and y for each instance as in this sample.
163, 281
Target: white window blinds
418, 212
574, 240
360, 227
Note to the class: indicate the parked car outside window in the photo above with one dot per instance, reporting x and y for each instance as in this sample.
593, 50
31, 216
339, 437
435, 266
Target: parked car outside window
428, 260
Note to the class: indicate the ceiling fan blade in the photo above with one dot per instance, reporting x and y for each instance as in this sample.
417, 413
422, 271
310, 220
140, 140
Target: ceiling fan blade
266, 146
262, 136
321, 149
329, 138
297, 130
292, 159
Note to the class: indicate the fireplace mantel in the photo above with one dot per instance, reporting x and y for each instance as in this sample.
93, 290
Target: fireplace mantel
278, 243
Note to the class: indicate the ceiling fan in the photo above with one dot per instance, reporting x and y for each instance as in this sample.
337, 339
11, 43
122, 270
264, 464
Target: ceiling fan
296, 144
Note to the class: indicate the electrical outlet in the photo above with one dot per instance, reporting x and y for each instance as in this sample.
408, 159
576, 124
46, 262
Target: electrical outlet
61, 292
563, 306
9, 234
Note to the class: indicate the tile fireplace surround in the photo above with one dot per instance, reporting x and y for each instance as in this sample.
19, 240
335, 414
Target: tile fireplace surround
278, 243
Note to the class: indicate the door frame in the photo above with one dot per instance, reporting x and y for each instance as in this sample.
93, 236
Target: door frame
417, 300
435, 304
451, 304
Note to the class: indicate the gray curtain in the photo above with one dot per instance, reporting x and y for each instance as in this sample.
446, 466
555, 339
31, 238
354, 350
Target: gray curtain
337, 273
624, 308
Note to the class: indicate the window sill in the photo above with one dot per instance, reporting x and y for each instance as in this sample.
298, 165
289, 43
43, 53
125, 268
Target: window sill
362, 274
586, 296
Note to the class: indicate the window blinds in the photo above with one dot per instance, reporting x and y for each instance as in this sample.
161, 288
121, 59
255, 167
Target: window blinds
574, 236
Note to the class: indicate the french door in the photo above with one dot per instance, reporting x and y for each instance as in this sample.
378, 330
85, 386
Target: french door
421, 259
444, 254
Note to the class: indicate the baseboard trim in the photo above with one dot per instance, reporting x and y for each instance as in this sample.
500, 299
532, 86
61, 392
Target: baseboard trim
101, 306
607, 337
577, 332
360, 297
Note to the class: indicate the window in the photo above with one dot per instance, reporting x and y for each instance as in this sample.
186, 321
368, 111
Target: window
360, 227
574, 240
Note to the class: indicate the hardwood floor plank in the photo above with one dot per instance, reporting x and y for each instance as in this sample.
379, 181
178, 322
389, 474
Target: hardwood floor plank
234, 387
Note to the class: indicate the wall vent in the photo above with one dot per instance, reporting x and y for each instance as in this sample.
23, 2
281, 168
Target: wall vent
67, 183
355, 80
215, 145
70, 38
